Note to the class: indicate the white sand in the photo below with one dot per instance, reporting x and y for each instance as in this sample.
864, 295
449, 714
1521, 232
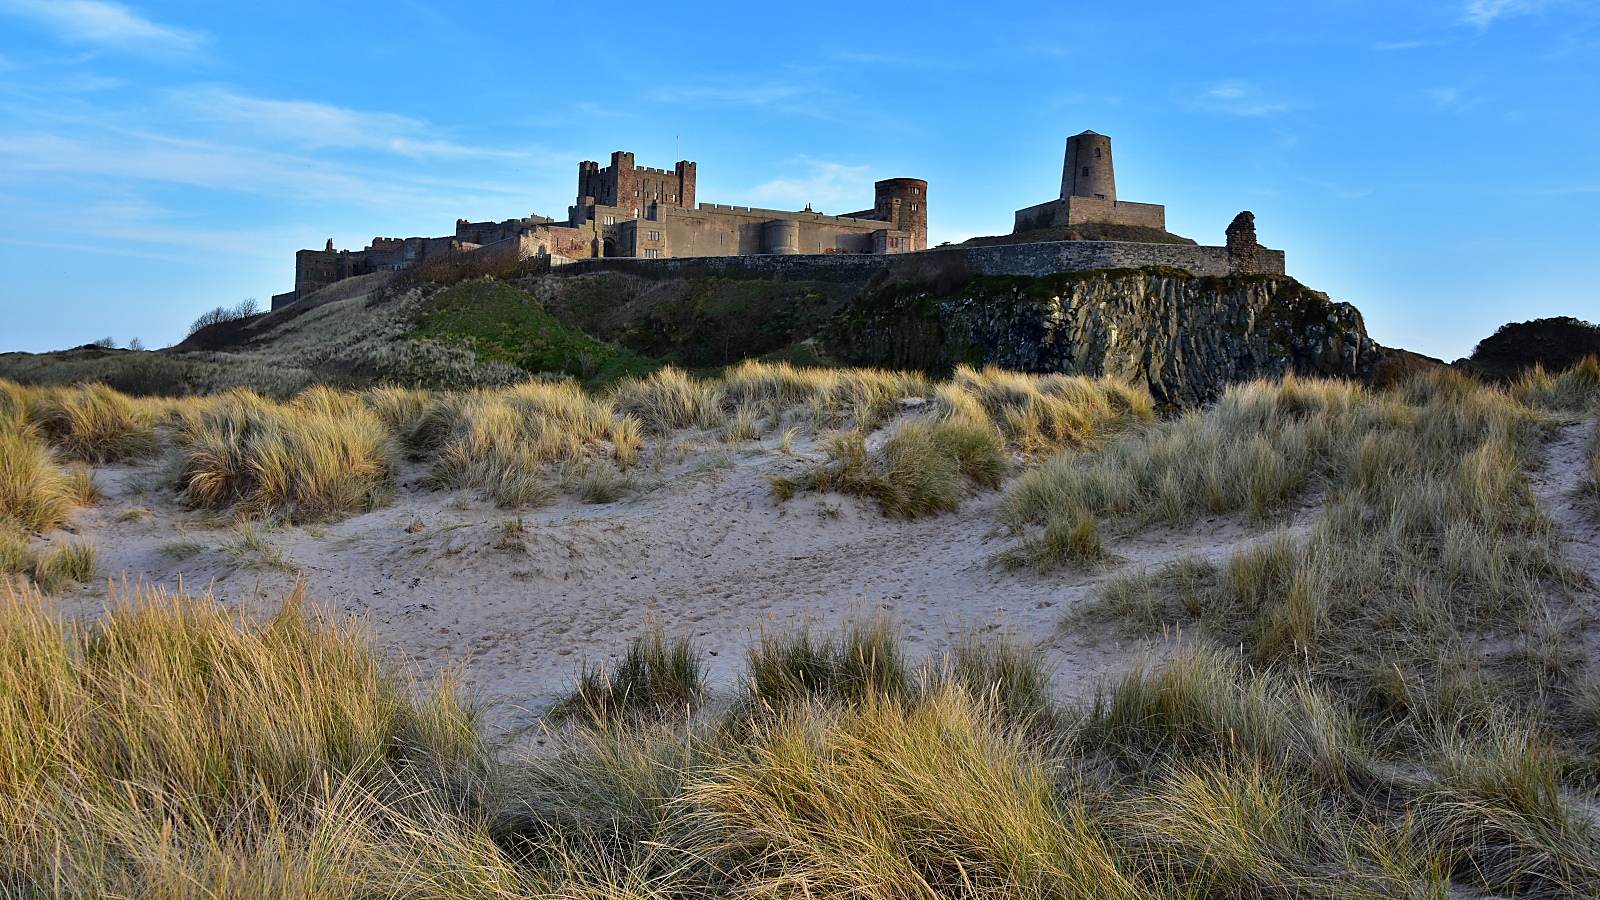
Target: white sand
707, 551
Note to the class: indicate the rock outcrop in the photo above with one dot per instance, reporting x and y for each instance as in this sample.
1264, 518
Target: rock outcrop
1183, 337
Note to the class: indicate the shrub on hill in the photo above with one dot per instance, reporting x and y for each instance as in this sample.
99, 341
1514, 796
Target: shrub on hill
244, 310
1554, 344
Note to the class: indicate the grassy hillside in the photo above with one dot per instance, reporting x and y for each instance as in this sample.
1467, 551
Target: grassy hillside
499, 323
697, 322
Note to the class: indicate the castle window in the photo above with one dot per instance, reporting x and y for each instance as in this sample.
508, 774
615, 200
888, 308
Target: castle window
611, 220
652, 254
913, 207
1086, 171
1097, 153
655, 235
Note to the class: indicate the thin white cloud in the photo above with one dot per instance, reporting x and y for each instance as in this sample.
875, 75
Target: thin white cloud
752, 95
314, 125
1234, 98
1453, 99
1388, 46
107, 24
830, 186
126, 158
1483, 13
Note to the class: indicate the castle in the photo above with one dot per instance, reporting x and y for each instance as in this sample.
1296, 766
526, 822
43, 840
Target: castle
1089, 192
627, 212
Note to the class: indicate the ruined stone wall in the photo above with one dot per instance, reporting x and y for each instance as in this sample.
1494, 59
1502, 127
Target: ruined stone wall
1078, 210
1048, 257
560, 242
482, 233
1043, 258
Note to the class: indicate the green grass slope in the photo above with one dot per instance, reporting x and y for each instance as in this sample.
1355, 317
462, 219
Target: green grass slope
500, 323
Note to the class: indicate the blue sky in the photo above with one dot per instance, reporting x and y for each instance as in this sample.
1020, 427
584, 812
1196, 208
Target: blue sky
1436, 164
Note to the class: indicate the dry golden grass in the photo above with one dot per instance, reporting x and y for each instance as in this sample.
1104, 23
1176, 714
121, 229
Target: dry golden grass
1045, 413
927, 465
173, 748
1571, 391
862, 398
509, 444
1588, 489
323, 455
96, 424
658, 676
669, 399
1402, 711
35, 493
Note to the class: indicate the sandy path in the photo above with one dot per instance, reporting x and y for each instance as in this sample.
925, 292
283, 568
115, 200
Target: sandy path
707, 552
1566, 465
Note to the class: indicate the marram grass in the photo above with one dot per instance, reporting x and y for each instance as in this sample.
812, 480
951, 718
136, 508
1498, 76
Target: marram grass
174, 748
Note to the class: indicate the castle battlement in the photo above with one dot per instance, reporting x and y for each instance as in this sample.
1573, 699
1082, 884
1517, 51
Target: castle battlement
624, 211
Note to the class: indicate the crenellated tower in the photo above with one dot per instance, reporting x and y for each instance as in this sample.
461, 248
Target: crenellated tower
904, 203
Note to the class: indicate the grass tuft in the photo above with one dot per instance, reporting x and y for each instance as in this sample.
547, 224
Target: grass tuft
95, 424
657, 676
861, 660
53, 569
925, 468
323, 456
35, 494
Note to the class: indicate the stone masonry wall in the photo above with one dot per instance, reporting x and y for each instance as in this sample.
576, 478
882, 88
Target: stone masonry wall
1079, 210
1044, 258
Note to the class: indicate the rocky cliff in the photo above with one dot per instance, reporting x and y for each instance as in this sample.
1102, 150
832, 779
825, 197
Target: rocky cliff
1183, 337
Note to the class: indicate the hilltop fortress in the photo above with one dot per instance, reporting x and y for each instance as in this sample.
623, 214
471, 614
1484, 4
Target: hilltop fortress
628, 212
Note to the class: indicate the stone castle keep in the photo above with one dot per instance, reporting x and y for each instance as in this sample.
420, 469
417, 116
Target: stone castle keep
625, 211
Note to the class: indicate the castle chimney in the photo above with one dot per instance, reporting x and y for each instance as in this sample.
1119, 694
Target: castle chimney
329, 248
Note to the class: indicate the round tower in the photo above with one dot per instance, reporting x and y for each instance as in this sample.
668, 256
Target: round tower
1088, 171
903, 202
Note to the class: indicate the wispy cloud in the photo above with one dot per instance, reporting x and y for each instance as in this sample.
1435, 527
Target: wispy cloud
312, 125
750, 95
794, 98
836, 187
1234, 98
1389, 46
1483, 13
106, 24
1453, 99
126, 158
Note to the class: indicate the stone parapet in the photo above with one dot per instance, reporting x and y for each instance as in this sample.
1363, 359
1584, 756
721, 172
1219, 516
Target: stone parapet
1043, 258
